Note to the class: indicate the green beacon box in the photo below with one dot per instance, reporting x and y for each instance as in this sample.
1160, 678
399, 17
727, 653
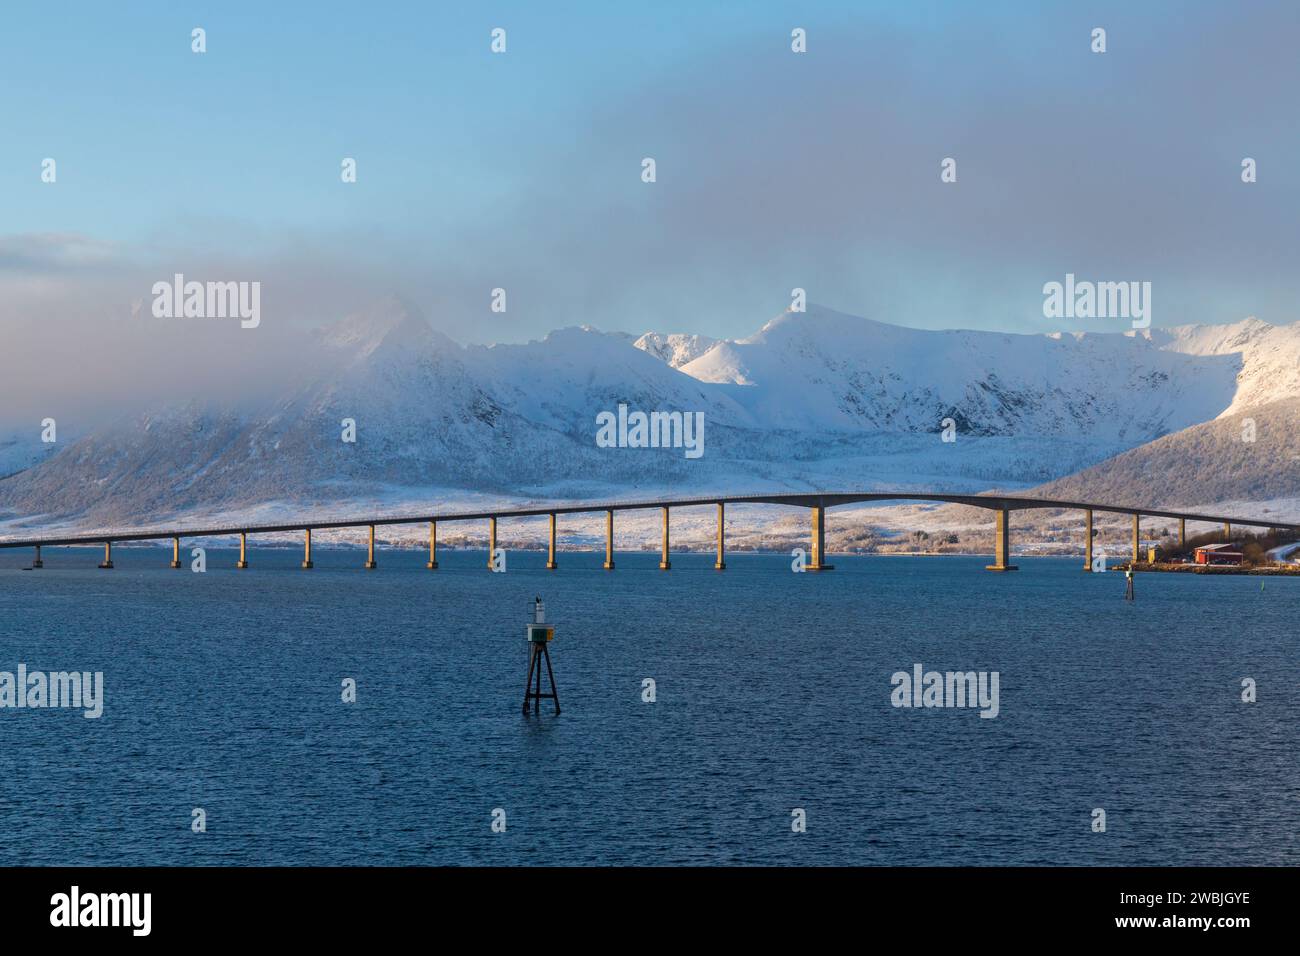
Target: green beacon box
539, 632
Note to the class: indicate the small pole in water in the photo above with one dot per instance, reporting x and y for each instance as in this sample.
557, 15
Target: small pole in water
1128, 589
539, 634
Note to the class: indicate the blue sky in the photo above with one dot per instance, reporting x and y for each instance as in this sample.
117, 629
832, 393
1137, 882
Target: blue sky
775, 170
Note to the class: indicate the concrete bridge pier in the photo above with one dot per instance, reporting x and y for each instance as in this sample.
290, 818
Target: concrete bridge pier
1001, 542
1137, 538
433, 546
1087, 539
818, 562
306, 555
550, 553
1182, 532
108, 555
243, 551
36, 561
492, 540
664, 563
609, 540
176, 552
1227, 531
721, 563
370, 551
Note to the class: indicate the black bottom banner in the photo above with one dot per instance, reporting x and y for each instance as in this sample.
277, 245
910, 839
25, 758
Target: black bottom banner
212, 905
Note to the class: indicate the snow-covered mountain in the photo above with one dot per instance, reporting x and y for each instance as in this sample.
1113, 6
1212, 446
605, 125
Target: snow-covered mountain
813, 400
22, 450
675, 348
1267, 357
1251, 455
831, 371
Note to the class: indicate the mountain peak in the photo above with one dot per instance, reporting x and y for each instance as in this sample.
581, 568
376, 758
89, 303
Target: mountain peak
675, 348
814, 317
392, 319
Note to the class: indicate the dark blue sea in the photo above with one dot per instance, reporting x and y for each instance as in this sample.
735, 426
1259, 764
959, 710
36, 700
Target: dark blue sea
223, 692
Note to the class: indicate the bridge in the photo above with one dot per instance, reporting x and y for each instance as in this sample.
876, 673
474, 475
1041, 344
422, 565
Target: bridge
817, 504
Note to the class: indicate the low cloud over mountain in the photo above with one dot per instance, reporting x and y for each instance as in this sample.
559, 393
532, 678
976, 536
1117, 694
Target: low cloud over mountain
812, 400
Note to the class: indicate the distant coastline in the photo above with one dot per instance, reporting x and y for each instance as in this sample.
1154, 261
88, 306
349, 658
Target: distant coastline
1283, 570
